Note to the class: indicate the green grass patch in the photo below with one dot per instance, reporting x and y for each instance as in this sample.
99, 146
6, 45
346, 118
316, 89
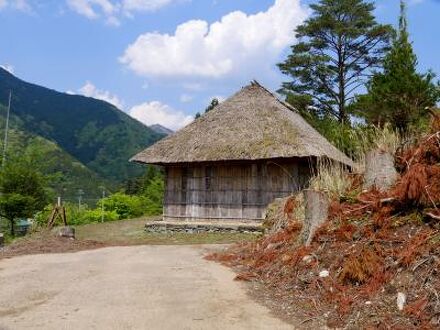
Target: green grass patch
131, 232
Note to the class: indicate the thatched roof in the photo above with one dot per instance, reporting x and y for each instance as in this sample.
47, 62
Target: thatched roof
252, 124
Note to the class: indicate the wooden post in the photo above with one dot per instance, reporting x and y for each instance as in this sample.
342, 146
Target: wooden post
57, 212
64, 216
316, 213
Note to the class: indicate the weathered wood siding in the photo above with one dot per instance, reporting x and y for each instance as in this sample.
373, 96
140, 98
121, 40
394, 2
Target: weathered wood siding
222, 191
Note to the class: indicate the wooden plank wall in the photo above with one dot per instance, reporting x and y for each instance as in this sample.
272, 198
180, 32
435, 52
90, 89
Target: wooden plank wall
230, 191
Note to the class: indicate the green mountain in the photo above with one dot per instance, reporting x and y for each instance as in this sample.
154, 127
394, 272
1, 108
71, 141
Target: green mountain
89, 131
66, 175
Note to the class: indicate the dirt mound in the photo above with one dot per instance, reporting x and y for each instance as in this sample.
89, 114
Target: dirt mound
46, 242
374, 264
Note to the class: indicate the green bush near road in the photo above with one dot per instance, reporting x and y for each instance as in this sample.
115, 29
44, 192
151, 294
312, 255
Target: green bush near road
118, 206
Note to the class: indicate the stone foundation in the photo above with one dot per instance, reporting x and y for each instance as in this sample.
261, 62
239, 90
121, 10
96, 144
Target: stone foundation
187, 227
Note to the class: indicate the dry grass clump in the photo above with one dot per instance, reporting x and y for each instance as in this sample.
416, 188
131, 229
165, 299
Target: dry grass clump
331, 178
385, 139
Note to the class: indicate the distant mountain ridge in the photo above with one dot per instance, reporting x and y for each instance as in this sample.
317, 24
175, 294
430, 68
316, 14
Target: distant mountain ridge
161, 129
92, 131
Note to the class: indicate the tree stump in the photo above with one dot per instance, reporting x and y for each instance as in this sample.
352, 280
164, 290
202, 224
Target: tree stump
2, 240
380, 172
316, 213
67, 231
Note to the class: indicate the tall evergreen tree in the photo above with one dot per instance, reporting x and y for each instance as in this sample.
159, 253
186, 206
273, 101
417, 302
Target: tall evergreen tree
399, 95
338, 47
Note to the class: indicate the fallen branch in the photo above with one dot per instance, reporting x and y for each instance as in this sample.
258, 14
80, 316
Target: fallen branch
433, 216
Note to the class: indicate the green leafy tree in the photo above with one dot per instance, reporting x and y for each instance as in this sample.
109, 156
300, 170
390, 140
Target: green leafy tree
125, 206
399, 95
23, 193
214, 102
338, 47
151, 188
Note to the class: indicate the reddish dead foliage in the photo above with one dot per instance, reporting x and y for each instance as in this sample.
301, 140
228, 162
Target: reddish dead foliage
361, 266
419, 184
289, 207
415, 247
373, 246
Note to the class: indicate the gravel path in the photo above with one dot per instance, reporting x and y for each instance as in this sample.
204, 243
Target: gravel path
140, 287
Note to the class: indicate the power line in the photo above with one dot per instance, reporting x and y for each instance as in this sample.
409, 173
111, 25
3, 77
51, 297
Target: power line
5, 143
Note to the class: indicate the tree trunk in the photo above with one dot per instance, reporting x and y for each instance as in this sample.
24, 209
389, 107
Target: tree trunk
12, 227
341, 78
379, 170
316, 213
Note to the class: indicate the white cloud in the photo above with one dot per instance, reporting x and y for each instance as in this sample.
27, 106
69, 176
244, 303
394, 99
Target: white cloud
92, 8
149, 113
195, 87
7, 67
144, 5
155, 112
20, 5
90, 90
186, 98
113, 21
111, 10
235, 43
219, 98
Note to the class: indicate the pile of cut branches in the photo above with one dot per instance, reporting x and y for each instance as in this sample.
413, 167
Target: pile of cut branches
374, 264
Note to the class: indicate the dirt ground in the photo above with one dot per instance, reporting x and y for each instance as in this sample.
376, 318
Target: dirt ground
137, 287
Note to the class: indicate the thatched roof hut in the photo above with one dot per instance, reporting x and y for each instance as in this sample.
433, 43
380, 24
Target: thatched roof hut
232, 161
253, 124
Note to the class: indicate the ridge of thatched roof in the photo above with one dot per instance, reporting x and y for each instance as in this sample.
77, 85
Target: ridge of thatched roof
252, 124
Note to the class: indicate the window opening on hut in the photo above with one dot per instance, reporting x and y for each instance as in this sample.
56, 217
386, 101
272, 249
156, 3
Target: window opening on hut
208, 178
260, 173
245, 185
184, 184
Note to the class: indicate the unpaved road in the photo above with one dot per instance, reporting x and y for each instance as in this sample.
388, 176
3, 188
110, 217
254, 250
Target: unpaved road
141, 287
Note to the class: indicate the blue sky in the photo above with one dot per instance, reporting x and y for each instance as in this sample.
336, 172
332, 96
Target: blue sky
163, 60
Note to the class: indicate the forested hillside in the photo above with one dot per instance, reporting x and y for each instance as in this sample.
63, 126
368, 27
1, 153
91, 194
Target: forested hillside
65, 174
94, 132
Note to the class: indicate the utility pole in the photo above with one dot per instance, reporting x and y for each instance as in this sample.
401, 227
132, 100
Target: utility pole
5, 143
80, 194
5, 146
102, 203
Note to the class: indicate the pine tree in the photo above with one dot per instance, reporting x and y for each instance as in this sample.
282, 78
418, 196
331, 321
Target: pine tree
399, 95
338, 46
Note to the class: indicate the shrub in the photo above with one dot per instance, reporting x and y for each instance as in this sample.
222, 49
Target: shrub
96, 215
125, 206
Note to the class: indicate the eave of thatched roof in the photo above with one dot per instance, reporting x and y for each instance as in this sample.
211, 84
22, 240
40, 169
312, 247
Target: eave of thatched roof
253, 124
